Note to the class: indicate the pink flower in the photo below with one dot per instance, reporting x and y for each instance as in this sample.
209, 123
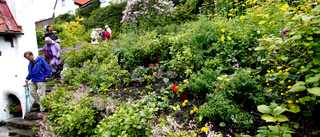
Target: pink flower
151, 65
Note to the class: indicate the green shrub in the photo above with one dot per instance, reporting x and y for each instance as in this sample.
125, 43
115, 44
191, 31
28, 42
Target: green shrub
87, 11
219, 108
63, 18
71, 112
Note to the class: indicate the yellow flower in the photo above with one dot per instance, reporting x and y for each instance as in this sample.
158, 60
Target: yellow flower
130, 90
223, 30
222, 38
116, 89
287, 70
268, 71
282, 94
125, 89
271, 22
185, 101
266, 16
289, 87
297, 95
104, 93
141, 93
262, 22
306, 76
183, 104
243, 5
280, 72
289, 81
268, 84
297, 101
279, 67
249, 49
297, 81
293, 106
272, 70
270, 90
290, 102
195, 109
271, 75
229, 38
149, 93
267, 81
267, 75
302, 67
204, 129
241, 17
191, 112
287, 92
105, 89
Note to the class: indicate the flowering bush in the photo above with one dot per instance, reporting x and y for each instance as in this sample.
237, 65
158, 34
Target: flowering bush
147, 12
14, 107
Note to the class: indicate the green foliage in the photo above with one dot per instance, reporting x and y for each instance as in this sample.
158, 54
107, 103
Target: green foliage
149, 79
13, 107
63, 18
201, 84
219, 108
72, 34
139, 72
39, 35
86, 11
110, 15
71, 112
128, 120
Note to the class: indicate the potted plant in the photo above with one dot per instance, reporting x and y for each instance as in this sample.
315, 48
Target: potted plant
15, 109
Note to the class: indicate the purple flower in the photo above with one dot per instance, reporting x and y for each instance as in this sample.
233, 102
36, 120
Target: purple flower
65, 49
218, 54
101, 74
235, 60
77, 47
232, 76
237, 65
284, 33
232, 82
80, 68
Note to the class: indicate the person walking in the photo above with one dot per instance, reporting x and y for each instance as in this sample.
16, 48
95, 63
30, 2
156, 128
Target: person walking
53, 50
109, 31
94, 37
39, 73
50, 33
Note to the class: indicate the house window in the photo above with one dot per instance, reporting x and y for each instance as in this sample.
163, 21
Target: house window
63, 2
102, 1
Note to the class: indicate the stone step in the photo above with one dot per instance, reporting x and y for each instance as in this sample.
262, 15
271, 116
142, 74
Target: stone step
22, 123
32, 116
22, 133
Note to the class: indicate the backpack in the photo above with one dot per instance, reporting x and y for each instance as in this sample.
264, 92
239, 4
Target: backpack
102, 36
107, 35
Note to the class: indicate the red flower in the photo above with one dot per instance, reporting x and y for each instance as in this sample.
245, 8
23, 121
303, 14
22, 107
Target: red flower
175, 89
19, 108
174, 86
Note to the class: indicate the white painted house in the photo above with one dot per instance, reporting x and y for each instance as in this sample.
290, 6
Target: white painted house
70, 6
17, 35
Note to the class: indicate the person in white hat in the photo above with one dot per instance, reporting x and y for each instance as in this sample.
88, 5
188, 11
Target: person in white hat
109, 30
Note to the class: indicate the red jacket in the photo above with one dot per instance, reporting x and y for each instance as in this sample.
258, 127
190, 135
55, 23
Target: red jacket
106, 35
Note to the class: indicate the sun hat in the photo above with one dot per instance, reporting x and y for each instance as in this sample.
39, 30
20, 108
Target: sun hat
47, 39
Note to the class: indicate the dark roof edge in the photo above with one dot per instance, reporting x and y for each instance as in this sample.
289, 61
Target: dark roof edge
10, 33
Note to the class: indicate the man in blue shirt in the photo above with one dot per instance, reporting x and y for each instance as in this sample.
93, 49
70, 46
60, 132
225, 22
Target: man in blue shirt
39, 73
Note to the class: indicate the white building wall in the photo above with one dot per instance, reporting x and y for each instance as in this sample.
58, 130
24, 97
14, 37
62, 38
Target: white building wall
69, 6
14, 67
